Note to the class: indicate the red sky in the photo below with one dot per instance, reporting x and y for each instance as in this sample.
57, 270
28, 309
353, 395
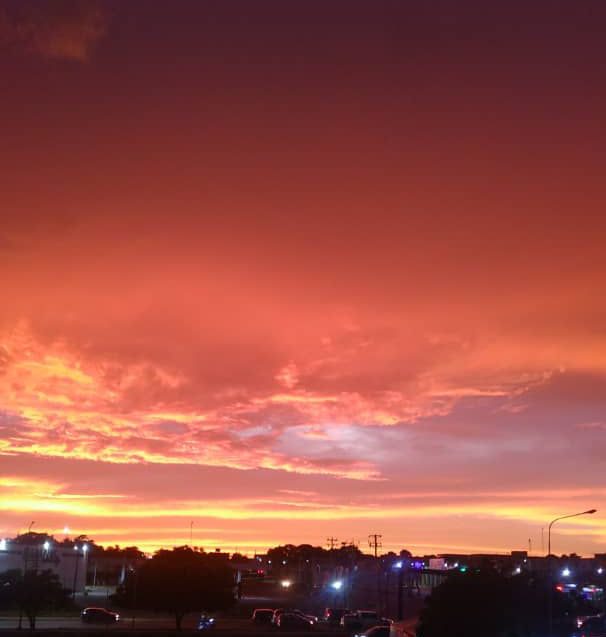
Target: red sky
301, 269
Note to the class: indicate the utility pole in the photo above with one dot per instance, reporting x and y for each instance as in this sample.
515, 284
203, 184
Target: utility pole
374, 541
191, 535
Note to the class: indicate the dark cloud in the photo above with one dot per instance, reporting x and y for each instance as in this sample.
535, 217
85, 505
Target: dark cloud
62, 29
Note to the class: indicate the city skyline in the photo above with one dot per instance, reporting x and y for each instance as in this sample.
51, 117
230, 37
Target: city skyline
299, 271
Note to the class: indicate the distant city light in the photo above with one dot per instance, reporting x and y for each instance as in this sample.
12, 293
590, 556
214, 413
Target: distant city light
463, 569
2, 545
600, 570
85, 548
46, 545
566, 572
337, 585
398, 564
75, 548
286, 583
518, 570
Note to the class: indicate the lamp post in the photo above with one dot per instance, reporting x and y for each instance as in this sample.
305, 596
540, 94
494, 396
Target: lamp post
549, 560
399, 566
84, 552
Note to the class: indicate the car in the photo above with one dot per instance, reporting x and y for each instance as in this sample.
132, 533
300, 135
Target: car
294, 621
205, 622
333, 615
581, 619
94, 615
293, 611
279, 611
350, 622
376, 631
361, 620
592, 627
263, 615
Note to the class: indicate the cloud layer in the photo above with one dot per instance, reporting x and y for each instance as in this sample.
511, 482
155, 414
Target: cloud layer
301, 274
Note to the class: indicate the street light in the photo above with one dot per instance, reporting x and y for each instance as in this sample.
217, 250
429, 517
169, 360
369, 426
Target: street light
564, 517
337, 585
84, 550
550, 596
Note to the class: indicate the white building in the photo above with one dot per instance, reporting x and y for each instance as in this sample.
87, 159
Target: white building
68, 561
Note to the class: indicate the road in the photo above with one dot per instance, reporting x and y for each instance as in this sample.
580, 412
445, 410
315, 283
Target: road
228, 625
162, 622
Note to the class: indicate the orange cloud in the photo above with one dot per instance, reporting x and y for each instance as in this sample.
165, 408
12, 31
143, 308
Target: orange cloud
63, 29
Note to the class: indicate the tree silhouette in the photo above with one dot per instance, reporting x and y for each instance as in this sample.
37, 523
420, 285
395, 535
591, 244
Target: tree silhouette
179, 582
32, 592
488, 604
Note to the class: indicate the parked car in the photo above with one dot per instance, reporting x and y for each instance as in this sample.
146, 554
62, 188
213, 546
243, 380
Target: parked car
361, 620
94, 615
263, 615
376, 631
294, 621
205, 622
592, 627
293, 611
279, 612
333, 615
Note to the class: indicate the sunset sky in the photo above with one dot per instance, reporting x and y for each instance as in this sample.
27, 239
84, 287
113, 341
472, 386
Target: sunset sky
295, 269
